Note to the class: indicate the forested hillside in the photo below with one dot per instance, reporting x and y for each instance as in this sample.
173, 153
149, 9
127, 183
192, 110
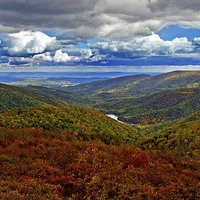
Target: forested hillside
34, 96
160, 107
83, 123
105, 86
72, 99
184, 137
12, 97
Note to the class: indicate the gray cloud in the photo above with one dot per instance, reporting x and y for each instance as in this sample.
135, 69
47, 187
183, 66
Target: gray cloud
106, 19
176, 11
47, 7
162, 5
43, 14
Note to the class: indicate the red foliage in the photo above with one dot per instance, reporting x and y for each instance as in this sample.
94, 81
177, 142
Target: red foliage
139, 161
130, 161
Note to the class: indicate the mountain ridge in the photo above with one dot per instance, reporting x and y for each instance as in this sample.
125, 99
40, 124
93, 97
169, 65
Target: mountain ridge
13, 96
136, 86
34, 96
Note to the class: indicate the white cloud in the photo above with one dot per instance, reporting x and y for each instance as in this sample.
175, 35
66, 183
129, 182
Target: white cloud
81, 55
62, 57
27, 43
43, 57
36, 47
145, 46
196, 41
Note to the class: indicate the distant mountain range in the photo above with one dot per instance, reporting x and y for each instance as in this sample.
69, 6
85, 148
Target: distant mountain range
43, 78
136, 85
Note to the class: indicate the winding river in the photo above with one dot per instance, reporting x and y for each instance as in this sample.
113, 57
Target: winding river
116, 118
113, 116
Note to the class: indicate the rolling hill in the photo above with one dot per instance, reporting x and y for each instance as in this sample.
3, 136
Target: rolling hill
34, 96
136, 85
83, 123
71, 99
50, 152
108, 87
12, 97
183, 137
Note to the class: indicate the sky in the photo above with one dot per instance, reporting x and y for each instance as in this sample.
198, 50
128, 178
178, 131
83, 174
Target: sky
99, 35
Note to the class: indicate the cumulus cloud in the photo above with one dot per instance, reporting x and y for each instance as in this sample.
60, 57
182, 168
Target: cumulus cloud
27, 43
145, 46
61, 57
82, 55
89, 56
28, 47
86, 53
36, 47
196, 41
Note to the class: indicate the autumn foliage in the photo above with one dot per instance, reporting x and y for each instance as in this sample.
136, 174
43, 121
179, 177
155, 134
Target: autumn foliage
61, 153
35, 164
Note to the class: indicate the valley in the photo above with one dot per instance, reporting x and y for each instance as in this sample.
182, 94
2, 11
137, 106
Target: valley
126, 137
